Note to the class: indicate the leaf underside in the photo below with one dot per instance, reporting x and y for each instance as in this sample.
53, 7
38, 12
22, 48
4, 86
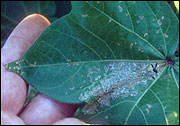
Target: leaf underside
111, 56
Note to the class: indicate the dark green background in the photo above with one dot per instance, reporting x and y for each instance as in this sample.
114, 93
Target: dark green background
12, 12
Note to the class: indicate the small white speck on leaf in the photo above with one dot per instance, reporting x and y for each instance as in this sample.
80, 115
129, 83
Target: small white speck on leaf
137, 22
84, 15
133, 93
97, 78
110, 19
118, 44
32, 65
162, 17
131, 45
159, 22
149, 105
157, 31
68, 60
106, 117
166, 35
72, 88
17, 62
120, 8
147, 110
18, 68
22, 72
145, 34
69, 64
96, 68
141, 17
76, 63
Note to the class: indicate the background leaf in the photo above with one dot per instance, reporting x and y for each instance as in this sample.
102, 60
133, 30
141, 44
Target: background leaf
104, 53
12, 12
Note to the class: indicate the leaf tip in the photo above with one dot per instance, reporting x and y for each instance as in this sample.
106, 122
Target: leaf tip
15, 66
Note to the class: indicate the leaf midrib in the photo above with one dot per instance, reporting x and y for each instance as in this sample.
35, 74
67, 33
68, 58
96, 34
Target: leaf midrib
93, 61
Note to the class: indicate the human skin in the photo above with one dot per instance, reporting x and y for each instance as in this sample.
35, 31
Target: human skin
41, 109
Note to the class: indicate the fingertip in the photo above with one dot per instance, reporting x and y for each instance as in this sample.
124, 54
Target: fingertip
41, 17
31, 27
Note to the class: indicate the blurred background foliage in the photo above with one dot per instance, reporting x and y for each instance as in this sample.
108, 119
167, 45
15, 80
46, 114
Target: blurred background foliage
12, 12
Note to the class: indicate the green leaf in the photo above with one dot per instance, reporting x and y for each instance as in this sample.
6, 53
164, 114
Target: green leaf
110, 56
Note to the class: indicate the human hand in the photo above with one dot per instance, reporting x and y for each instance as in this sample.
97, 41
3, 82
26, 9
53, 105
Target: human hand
41, 109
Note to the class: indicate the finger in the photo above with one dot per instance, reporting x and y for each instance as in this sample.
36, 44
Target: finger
13, 88
10, 119
43, 110
69, 121
13, 92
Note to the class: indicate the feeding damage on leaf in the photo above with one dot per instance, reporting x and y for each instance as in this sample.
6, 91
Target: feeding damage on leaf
120, 80
19, 65
16, 66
